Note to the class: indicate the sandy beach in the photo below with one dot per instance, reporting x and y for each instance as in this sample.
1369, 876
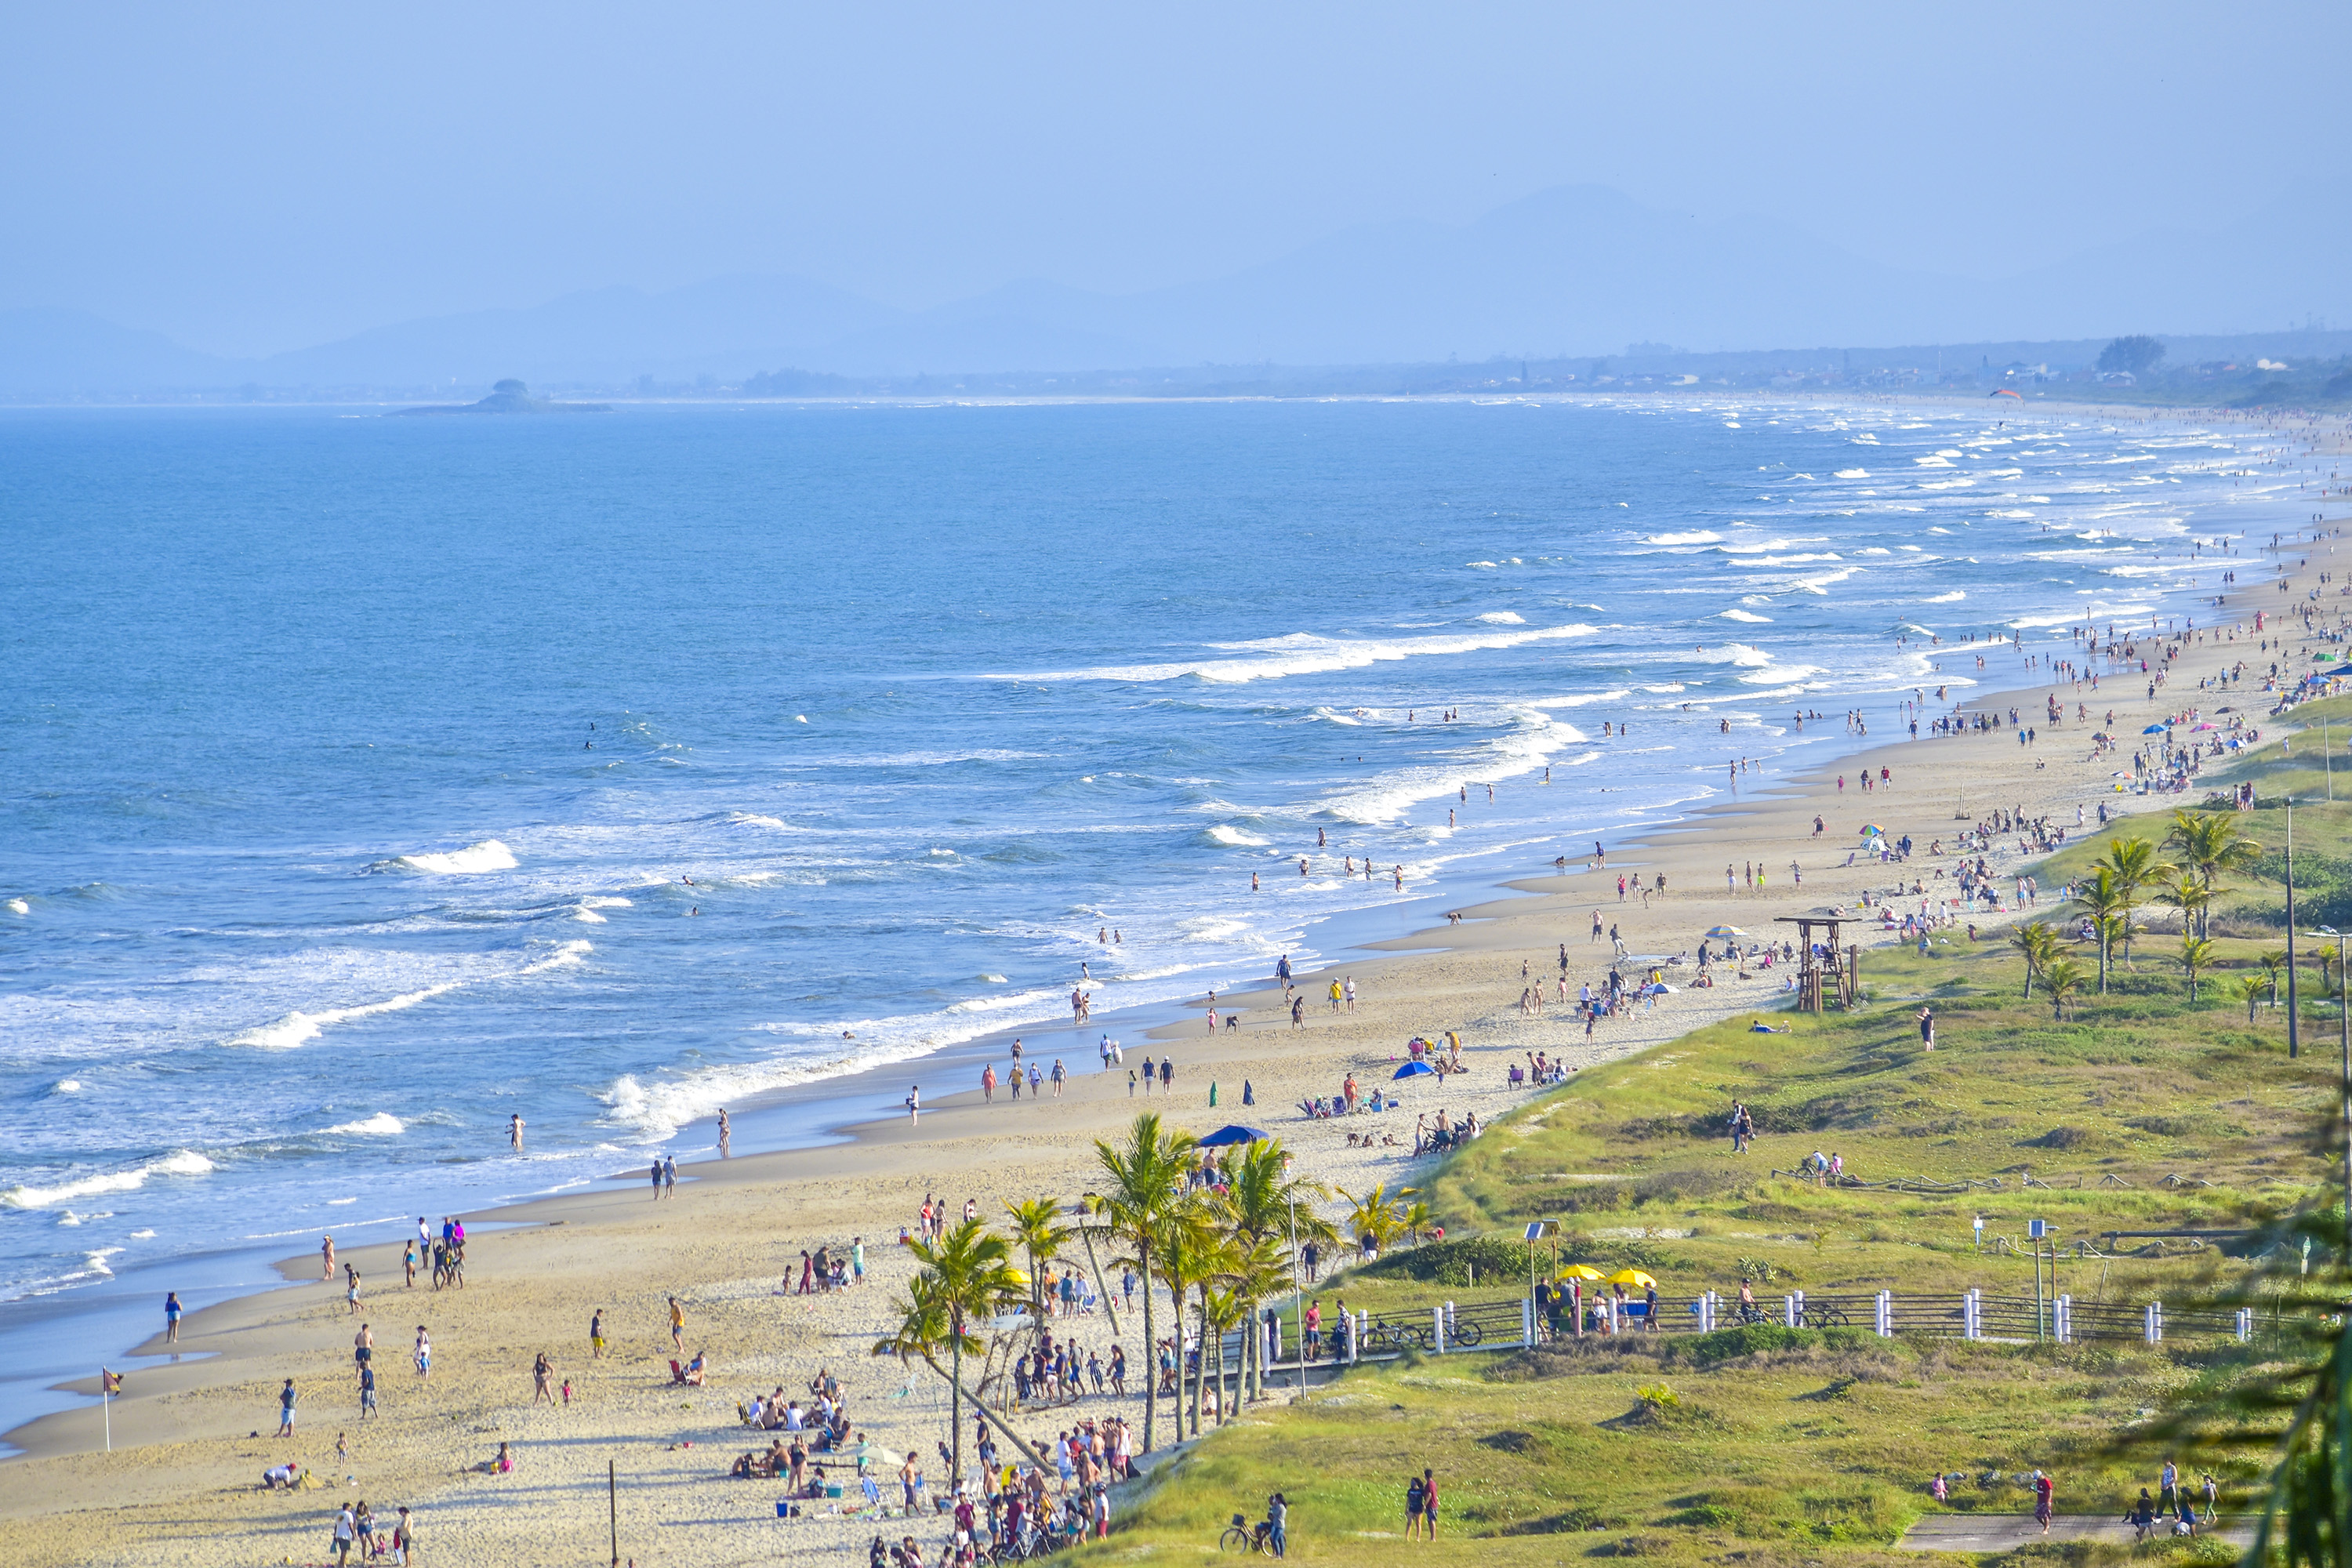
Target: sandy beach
191, 1441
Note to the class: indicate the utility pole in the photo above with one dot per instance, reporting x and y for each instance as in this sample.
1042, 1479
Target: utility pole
2294, 1033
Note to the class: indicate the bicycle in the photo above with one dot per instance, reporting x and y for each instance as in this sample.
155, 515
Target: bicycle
1463, 1332
1243, 1536
1381, 1335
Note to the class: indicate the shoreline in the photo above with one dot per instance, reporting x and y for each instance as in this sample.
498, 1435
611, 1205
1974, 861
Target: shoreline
550, 1256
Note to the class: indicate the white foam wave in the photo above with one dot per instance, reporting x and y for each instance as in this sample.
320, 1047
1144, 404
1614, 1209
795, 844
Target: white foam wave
1310, 653
20, 906
753, 819
1954, 597
382, 1124
298, 1026
489, 855
1503, 618
1235, 837
1853, 473
1700, 537
186, 1162
1745, 615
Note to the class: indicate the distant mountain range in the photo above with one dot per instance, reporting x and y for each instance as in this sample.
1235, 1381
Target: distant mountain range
1578, 270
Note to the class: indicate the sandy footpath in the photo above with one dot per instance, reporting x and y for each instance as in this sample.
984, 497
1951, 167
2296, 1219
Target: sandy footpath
187, 1460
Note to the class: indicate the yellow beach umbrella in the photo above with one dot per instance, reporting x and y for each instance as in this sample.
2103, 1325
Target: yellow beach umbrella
1632, 1276
1579, 1271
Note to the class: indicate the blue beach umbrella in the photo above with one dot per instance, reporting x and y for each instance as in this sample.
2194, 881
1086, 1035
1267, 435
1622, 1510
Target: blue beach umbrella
1226, 1136
1413, 1070
2153, 729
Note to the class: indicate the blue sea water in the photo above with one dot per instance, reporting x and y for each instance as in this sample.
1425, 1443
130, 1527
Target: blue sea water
353, 769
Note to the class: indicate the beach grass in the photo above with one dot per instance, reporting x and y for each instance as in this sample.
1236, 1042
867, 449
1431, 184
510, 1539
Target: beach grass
1816, 1452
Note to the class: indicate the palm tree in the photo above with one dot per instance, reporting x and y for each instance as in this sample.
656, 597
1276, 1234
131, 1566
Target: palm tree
1270, 1211
1377, 1216
2102, 899
2249, 990
2196, 954
2274, 965
1037, 1226
2063, 979
965, 1278
1144, 1181
2039, 943
2209, 843
1194, 1251
1220, 1312
2186, 893
2135, 864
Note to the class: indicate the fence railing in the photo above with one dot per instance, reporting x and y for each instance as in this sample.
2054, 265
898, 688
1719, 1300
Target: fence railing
1442, 1327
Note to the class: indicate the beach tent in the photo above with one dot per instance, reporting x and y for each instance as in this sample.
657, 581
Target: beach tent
1227, 1136
1413, 1070
1720, 932
1632, 1276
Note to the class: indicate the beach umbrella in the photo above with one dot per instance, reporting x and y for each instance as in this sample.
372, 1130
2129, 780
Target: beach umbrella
1227, 1136
1580, 1271
1632, 1276
1413, 1070
1719, 932
2153, 729
2205, 727
1872, 830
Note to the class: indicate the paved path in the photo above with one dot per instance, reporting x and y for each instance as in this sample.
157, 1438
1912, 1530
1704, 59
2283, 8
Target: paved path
2006, 1531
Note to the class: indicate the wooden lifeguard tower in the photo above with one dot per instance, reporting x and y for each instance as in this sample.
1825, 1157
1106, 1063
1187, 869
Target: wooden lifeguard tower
1820, 980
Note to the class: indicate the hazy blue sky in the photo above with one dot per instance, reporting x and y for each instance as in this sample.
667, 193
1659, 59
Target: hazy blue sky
254, 177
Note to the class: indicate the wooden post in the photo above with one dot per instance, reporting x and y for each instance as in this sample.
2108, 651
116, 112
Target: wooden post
613, 1508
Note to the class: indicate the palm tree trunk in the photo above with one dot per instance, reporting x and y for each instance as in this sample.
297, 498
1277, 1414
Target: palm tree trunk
1201, 1378
955, 1408
1150, 1347
994, 1419
1101, 1288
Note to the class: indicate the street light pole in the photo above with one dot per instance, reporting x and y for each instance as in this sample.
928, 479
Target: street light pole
2293, 1030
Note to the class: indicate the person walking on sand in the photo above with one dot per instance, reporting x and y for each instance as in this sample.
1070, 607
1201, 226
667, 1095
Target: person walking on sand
669, 1175
351, 1290
171, 1316
914, 1103
677, 1326
542, 1378
988, 1084
596, 1335
423, 1354
286, 1409
327, 1257
656, 1175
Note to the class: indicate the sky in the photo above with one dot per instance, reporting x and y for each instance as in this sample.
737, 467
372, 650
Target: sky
259, 177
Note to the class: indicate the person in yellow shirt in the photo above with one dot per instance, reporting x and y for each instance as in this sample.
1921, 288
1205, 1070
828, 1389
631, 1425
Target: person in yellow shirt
1335, 996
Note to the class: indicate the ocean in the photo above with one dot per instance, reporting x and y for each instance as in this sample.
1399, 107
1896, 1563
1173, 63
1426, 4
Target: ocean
364, 781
